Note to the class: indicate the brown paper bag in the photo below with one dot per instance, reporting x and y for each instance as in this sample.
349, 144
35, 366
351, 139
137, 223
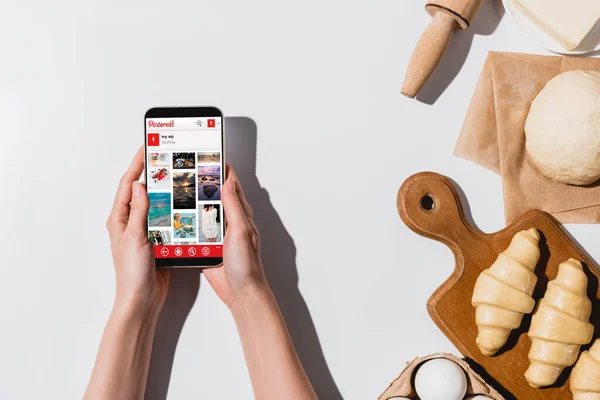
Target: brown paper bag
493, 136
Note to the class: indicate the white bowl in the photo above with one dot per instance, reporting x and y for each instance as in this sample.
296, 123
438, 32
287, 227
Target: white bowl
590, 44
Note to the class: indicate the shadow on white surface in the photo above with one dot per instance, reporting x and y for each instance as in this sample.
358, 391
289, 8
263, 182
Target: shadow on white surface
485, 23
279, 258
183, 290
464, 204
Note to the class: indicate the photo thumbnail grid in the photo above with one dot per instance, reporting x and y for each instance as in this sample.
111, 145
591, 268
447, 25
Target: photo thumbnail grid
184, 190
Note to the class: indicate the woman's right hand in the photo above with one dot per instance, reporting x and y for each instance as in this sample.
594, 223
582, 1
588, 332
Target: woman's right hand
242, 272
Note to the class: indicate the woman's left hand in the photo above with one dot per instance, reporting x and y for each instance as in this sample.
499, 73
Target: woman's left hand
242, 272
140, 286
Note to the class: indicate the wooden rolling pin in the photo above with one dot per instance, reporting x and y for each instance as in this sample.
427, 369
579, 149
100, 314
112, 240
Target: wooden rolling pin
447, 15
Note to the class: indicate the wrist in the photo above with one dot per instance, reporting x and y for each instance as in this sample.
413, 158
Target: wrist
136, 309
252, 300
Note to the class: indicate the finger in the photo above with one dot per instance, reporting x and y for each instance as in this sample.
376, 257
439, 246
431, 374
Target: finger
119, 215
245, 206
138, 215
240, 192
232, 206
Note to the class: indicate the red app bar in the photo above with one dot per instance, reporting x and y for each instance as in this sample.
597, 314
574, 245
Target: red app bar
189, 251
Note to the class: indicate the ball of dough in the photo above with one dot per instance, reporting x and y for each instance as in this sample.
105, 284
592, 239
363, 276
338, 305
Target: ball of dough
563, 128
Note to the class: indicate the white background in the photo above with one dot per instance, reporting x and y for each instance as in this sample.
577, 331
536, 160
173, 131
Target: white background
325, 141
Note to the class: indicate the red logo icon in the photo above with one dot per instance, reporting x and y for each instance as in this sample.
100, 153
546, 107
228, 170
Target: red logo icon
192, 251
211, 123
169, 124
178, 251
164, 251
205, 251
153, 139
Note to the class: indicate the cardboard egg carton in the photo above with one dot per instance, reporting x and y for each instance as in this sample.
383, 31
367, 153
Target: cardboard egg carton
403, 385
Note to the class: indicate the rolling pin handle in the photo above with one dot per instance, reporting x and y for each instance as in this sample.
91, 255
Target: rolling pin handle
428, 52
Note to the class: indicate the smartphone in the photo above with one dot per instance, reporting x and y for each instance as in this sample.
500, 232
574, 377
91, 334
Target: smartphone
185, 168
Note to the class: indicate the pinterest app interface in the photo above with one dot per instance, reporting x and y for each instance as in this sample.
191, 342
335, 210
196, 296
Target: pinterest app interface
184, 175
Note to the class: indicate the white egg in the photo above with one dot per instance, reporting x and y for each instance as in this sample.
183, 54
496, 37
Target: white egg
440, 379
398, 398
479, 397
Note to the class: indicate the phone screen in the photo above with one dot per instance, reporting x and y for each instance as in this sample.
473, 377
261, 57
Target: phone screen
184, 173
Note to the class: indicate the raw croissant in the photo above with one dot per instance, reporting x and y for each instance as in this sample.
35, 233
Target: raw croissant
560, 325
585, 377
502, 293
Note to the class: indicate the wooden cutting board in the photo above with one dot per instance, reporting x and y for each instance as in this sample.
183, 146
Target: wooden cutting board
429, 204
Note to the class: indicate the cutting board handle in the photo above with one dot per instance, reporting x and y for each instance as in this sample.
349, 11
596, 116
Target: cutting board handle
429, 204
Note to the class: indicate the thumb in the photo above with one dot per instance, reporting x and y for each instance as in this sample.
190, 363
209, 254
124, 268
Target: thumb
138, 215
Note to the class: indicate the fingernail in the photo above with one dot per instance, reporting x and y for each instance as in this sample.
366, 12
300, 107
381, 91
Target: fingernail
136, 189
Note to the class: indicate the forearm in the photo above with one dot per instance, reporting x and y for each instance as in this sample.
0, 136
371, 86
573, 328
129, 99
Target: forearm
123, 359
274, 367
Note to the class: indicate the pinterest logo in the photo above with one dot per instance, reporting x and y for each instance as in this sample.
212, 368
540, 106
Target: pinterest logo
153, 139
152, 124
